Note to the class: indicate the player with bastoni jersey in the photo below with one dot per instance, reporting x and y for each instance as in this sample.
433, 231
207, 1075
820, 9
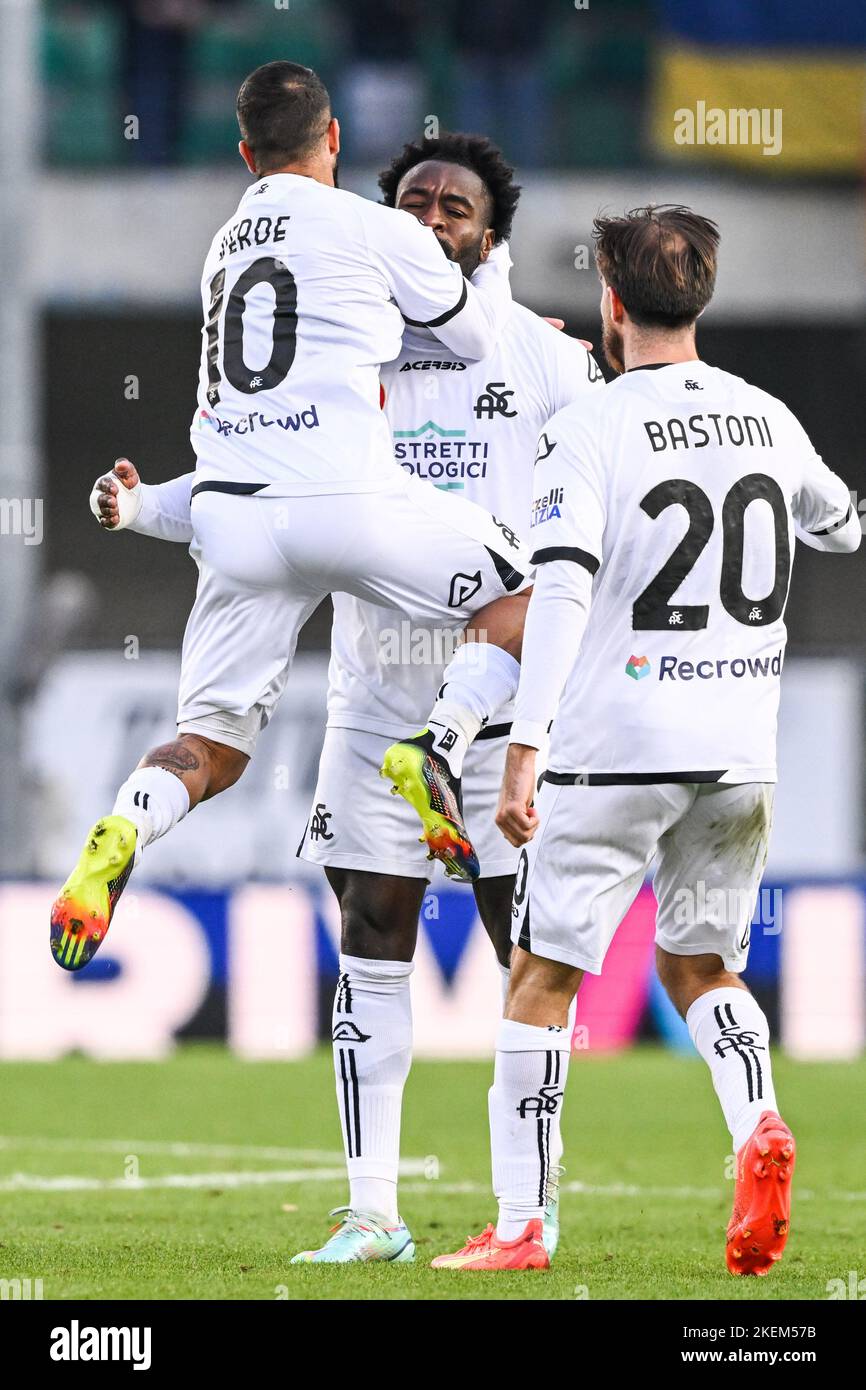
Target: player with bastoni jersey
666, 510
471, 426
305, 292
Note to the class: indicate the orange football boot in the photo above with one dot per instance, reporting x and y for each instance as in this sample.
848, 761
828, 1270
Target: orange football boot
759, 1224
487, 1252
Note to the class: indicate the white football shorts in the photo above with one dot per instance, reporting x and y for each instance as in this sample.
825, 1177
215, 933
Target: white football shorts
355, 822
266, 563
582, 870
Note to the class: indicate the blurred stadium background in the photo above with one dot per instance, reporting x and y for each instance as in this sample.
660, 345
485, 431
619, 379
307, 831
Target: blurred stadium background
118, 163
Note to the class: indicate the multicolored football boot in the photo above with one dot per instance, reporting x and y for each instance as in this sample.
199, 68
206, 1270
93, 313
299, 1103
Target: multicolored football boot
759, 1224
424, 779
487, 1252
82, 910
360, 1238
550, 1225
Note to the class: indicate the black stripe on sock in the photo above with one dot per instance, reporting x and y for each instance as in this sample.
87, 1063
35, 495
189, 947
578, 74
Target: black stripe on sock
356, 1101
731, 1020
350, 1152
747, 1064
542, 1182
718, 1017
759, 1090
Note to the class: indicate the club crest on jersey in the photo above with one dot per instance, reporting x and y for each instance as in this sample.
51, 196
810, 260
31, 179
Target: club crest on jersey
637, 667
494, 401
547, 508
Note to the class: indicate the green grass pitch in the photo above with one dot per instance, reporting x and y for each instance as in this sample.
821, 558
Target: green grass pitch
200, 1177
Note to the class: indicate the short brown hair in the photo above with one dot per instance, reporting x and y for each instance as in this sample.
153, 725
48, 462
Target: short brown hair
661, 260
283, 111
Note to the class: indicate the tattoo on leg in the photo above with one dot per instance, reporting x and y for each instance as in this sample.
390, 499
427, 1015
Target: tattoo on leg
178, 758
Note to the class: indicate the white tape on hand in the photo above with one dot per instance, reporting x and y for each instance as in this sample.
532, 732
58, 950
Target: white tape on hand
128, 502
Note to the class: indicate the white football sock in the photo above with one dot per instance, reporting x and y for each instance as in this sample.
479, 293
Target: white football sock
525, 1105
372, 1055
557, 1148
505, 978
478, 681
731, 1033
154, 800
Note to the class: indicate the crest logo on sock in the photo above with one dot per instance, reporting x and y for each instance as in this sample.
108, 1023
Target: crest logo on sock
545, 1103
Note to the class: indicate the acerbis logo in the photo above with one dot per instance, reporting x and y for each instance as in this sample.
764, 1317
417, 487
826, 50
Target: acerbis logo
346, 1031
432, 366
545, 448
463, 588
637, 667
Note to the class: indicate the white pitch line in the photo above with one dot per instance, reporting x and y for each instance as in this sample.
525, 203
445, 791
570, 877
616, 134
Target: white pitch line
32, 1182
178, 1148
583, 1189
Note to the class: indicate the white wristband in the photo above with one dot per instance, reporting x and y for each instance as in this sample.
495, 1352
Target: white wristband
128, 502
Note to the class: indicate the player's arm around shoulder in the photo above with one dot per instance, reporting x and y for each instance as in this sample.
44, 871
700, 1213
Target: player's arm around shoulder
431, 291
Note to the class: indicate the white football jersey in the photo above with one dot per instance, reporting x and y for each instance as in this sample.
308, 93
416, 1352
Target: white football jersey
678, 487
470, 428
305, 291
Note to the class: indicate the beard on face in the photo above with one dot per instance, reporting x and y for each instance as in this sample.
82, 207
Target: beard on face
611, 343
468, 260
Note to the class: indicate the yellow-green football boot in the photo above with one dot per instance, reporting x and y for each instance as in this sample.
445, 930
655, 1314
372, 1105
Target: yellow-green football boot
83, 908
423, 778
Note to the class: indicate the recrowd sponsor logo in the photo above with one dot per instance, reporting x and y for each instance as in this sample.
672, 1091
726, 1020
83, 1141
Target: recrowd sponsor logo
637, 667
248, 424
672, 668
547, 508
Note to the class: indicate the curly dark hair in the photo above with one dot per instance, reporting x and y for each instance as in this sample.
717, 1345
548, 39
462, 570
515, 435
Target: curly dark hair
474, 152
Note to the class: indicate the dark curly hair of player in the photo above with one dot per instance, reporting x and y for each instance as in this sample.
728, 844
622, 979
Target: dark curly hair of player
474, 152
